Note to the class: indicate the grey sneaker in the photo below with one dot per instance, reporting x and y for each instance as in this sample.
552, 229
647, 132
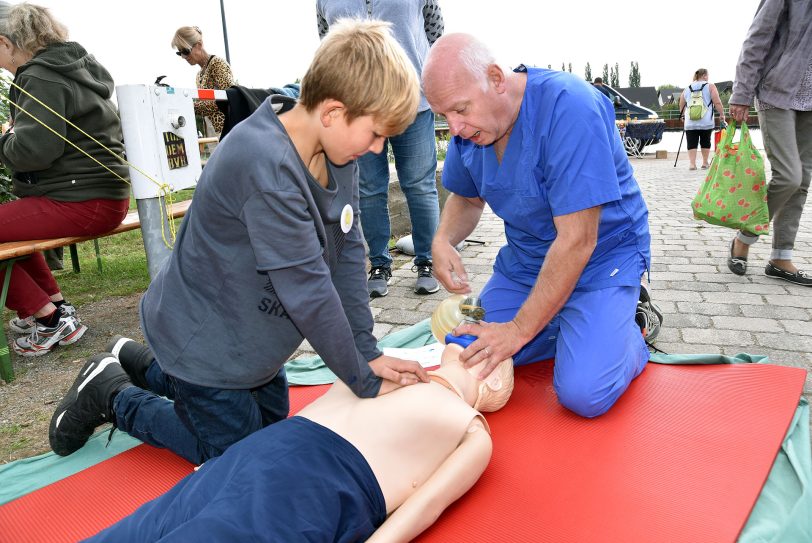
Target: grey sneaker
22, 326
87, 404
379, 279
43, 338
426, 283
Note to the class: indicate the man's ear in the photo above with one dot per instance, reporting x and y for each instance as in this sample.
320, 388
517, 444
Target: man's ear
329, 111
496, 77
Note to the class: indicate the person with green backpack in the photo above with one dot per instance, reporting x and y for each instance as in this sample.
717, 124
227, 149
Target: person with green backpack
697, 102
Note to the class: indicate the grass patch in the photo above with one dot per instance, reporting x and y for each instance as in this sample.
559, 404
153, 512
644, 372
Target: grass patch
124, 264
14, 441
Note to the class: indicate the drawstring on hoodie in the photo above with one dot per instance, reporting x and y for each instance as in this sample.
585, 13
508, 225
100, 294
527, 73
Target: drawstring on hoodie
163, 189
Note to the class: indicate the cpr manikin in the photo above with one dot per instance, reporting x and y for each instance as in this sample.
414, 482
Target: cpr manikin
426, 443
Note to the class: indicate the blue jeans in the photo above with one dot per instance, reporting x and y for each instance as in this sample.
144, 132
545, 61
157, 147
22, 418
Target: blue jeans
597, 346
201, 422
416, 163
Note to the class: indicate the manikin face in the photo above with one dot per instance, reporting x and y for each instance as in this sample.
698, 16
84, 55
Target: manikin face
465, 102
495, 390
345, 142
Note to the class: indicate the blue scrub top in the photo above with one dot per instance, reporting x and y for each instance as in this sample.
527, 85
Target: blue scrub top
564, 155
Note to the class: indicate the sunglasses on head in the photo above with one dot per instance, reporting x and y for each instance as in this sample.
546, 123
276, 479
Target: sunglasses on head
183, 52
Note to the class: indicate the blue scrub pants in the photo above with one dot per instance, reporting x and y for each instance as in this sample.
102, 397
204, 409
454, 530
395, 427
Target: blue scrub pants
597, 346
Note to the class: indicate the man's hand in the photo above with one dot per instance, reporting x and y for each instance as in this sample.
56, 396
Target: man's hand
495, 342
740, 113
448, 269
399, 371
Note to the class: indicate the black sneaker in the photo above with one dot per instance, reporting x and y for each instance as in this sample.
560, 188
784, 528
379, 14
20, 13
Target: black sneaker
426, 283
799, 277
379, 279
87, 404
134, 357
648, 315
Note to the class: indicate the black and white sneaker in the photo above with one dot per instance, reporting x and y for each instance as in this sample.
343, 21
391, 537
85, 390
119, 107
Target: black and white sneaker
799, 277
648, 315
87, 404
379, 279
134, 357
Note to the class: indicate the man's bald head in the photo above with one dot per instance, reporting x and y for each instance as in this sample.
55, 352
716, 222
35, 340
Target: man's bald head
457, 56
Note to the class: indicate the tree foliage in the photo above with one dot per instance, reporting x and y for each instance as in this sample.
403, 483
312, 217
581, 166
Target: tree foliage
588, 72
5, 173
634, 75
605, 74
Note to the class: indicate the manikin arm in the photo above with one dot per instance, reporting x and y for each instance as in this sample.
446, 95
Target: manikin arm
453, 478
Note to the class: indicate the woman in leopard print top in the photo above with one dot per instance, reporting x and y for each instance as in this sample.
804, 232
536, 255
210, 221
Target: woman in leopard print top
215, 73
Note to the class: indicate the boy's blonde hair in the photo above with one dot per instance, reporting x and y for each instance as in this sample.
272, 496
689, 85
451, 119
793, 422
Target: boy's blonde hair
360, 64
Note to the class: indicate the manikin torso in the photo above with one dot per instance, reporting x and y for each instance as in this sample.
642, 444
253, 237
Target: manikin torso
404, 435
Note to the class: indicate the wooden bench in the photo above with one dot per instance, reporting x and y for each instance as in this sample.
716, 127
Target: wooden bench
12, 251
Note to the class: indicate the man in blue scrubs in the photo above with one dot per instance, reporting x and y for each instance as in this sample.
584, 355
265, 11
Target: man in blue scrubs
540, 148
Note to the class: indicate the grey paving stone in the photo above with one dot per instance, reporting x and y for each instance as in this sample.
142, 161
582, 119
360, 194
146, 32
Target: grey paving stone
718, 337
746, 323
686, 320
679, 296
775, 312
787, 342
697, 286
704, 308
741, 298
803, 328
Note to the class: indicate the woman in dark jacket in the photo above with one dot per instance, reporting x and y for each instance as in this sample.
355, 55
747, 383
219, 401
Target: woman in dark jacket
62, 190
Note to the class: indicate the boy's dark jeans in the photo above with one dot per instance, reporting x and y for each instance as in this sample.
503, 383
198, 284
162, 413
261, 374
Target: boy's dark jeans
197, 422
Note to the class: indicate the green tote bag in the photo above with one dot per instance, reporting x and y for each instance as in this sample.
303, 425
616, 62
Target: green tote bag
734, 194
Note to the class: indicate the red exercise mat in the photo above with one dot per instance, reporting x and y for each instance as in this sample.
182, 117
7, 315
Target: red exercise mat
681, 457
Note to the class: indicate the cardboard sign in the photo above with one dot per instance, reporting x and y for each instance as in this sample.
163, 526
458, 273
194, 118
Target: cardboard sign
175, 151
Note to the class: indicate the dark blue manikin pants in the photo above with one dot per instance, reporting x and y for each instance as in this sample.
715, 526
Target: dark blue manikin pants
292, 481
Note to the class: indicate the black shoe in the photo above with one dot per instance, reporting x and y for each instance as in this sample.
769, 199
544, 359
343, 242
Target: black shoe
736, 264
379, 279
134, 357
648, 315
799, 277
87, 404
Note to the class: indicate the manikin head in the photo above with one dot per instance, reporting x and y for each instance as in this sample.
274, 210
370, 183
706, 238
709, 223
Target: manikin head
488, 395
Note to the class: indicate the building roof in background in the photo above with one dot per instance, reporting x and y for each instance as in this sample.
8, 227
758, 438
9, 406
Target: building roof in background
645, 96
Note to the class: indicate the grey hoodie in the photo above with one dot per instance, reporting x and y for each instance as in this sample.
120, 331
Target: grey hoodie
72, 83
775, 54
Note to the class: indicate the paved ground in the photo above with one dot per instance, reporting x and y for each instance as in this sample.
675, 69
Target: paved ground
706, 308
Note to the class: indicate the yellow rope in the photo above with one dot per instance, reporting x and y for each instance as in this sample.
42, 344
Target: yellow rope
164, 190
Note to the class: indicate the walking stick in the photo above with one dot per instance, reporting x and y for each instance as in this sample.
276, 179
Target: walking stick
681, 137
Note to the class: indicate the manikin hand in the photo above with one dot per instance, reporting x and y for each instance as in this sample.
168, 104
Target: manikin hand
397, 370
495, 342
740, 113
448, 268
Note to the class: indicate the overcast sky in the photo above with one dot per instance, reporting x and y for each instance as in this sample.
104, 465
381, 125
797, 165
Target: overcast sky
271, 42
